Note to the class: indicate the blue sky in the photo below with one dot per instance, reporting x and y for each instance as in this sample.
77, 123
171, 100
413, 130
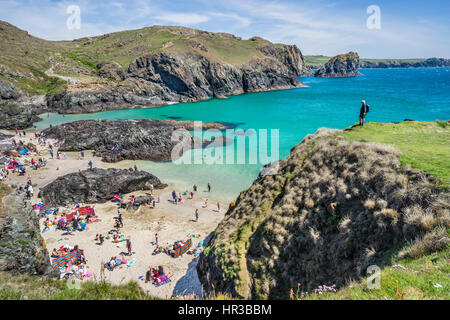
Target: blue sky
408, 28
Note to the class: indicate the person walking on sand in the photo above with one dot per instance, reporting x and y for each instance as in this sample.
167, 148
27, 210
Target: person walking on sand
151, 188
363, 112
156, 238
206, 203
129, 246
90, 164
218, 206
196, 215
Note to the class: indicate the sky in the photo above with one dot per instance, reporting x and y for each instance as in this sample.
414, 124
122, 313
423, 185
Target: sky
405, 29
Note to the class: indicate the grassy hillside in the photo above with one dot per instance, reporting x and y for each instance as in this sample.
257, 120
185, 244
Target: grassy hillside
424, 278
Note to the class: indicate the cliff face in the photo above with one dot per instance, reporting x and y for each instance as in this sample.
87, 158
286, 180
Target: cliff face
332, 209
343, 65
96, 185
13, 113
164, 77
22, 249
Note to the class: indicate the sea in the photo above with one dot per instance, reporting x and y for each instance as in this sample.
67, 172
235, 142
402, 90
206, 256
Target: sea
265, 126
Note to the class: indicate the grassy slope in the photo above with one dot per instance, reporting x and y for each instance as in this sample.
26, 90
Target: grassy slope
417, 282
424, 145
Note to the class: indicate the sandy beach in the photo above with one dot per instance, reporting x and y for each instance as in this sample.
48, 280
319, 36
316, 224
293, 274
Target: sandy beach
171, 222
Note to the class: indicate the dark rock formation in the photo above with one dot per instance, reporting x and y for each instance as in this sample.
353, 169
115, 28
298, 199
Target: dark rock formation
22, 249
147, 139
329, 211
96, 185
428, 63
343, 65
13, 114
163, 77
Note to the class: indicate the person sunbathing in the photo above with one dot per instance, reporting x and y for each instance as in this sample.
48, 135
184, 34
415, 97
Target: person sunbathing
156, 251
116, 238
55, 253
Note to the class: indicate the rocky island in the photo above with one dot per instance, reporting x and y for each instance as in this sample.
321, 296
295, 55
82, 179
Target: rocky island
343, 65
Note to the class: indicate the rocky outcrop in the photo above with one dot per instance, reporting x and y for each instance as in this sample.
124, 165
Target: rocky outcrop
343, 65
428, 63
148, 139
13, 113
329, 211
164, 77
96, 185
22, 249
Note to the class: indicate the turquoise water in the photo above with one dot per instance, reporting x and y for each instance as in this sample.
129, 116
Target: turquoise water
393, 95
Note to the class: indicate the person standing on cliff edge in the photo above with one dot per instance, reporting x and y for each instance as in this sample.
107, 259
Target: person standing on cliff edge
362, 112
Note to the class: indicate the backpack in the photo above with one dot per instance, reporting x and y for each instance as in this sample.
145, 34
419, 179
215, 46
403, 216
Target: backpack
367, 108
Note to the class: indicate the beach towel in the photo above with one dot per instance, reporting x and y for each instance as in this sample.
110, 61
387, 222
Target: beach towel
24, 152
62, 261
164, 280
45, 207
82, 211
183, 249
129, 264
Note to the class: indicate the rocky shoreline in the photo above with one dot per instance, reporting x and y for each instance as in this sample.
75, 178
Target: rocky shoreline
22, 249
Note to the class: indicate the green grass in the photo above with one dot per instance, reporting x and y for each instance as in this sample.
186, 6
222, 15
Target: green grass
423, 145
416, 283
33, 287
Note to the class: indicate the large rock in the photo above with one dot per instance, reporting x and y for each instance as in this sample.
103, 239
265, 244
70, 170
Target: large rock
22, 249
147, 139
96, 185
13, 113
343, 65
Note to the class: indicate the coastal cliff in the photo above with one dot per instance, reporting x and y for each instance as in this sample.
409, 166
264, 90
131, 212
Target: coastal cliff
388, 63
22, 249
343, 65
334, 207
147, 67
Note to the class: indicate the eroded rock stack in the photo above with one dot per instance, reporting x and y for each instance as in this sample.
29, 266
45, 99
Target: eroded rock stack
343, 65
